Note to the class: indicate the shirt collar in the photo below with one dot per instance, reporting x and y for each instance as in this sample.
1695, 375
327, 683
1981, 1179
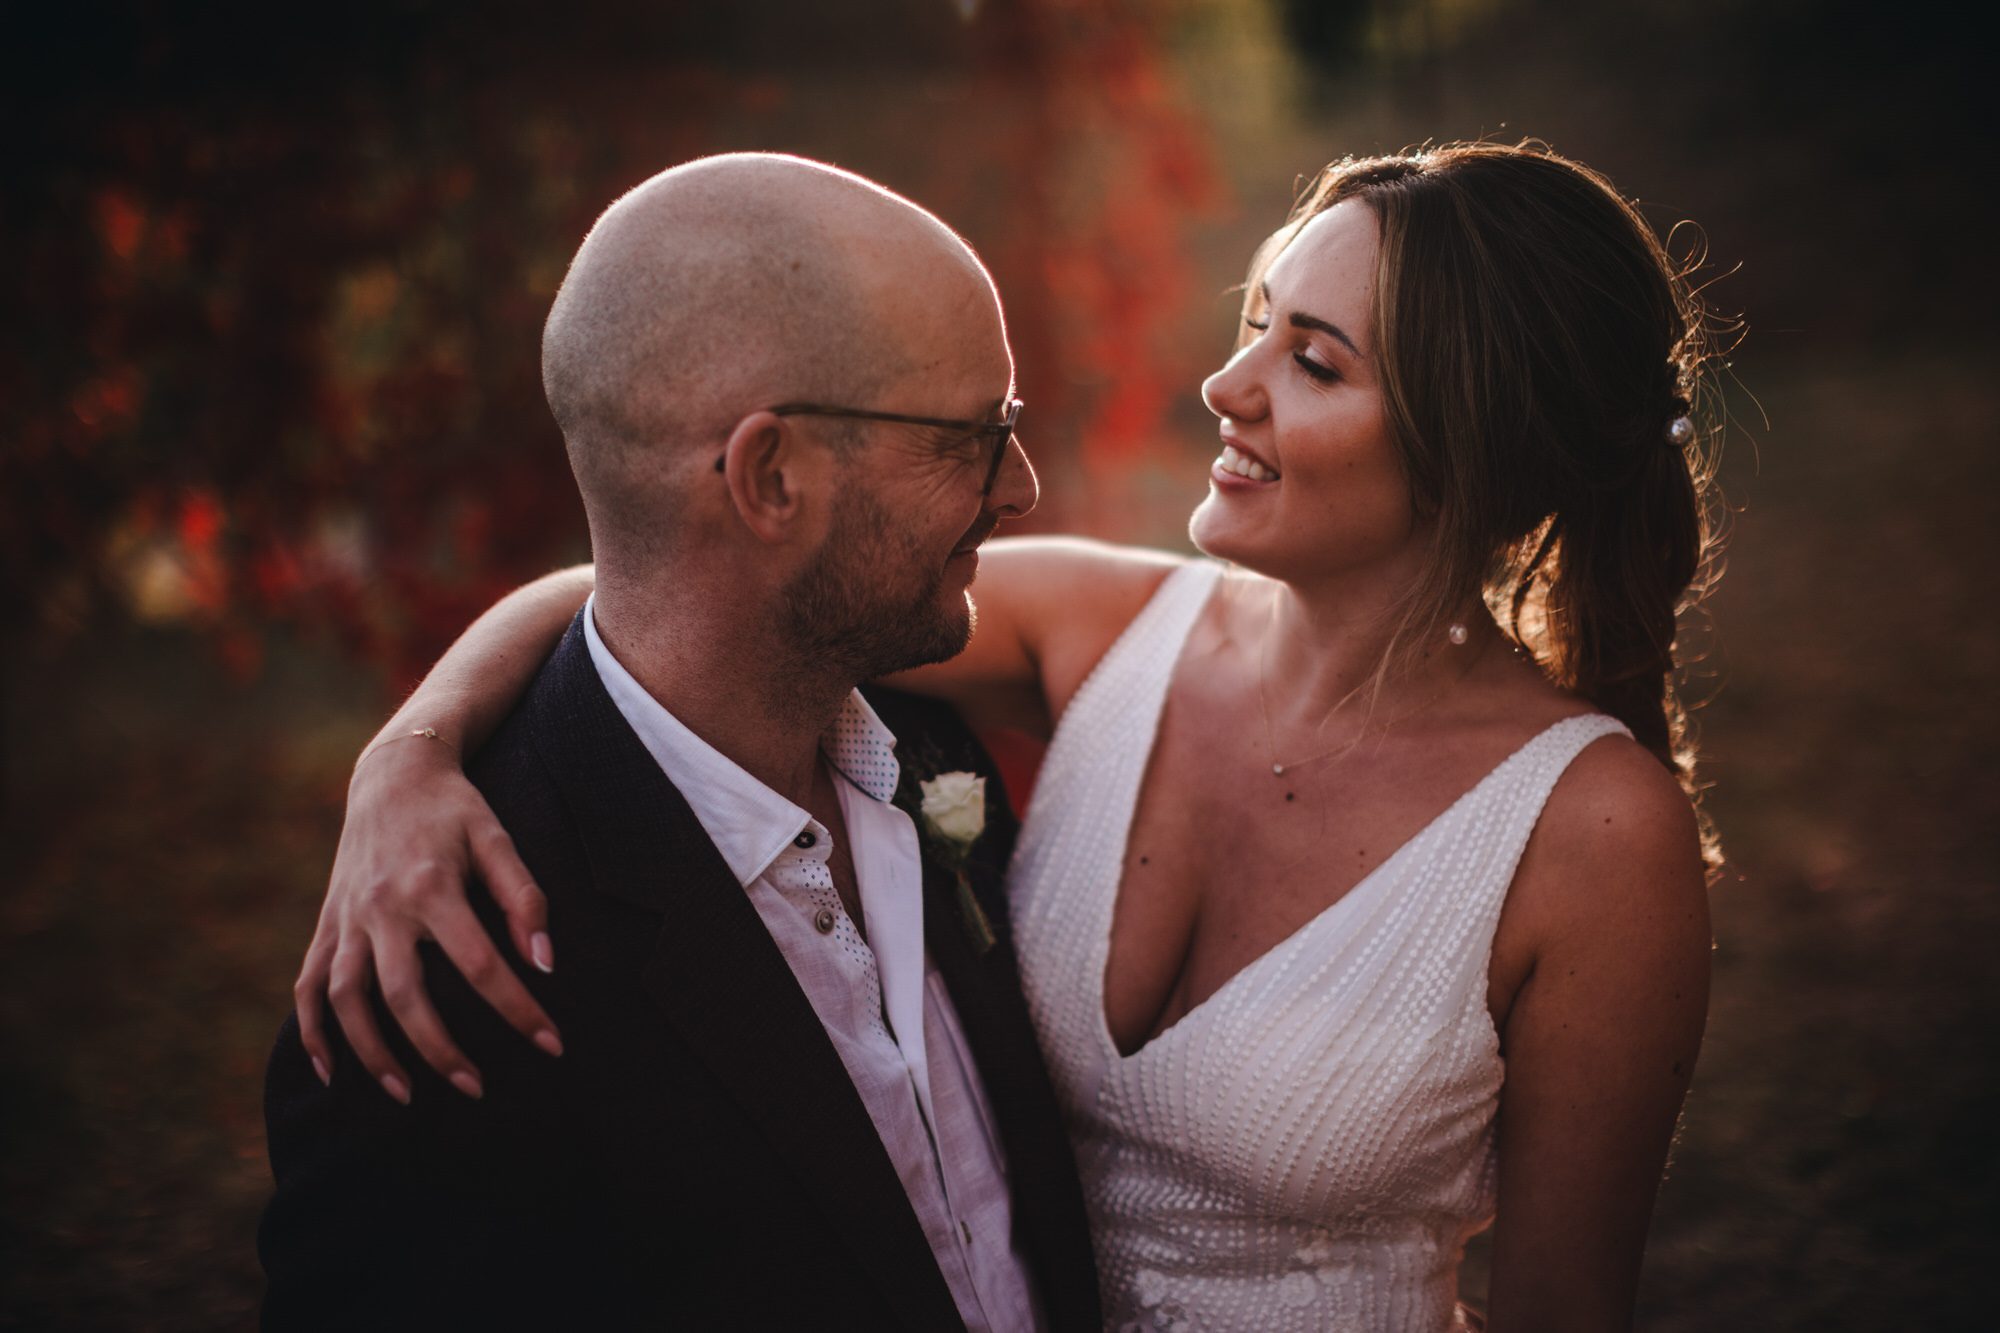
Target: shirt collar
861, 749
749, 823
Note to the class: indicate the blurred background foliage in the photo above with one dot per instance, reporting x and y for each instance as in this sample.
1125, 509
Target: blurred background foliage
271, 432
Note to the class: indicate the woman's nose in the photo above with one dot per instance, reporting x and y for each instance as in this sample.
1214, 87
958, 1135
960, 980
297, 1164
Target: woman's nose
1233, 391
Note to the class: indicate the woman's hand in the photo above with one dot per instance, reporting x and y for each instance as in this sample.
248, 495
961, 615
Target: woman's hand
415, 829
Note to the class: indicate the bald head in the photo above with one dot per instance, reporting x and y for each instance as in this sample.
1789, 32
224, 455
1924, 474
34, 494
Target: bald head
717, 288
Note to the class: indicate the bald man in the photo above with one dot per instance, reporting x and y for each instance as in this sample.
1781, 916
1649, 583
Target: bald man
799, 1089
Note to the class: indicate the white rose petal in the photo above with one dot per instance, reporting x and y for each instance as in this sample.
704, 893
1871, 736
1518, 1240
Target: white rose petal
955, 807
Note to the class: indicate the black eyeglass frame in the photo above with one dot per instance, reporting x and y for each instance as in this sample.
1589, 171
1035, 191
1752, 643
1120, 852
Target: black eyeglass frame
1001, 431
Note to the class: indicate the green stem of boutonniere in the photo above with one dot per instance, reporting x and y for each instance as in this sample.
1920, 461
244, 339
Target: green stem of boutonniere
953, 814
974, 916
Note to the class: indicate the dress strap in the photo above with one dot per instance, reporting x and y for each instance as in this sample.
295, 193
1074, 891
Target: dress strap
1141, 663
1063, 883
1508, 804
1548, 755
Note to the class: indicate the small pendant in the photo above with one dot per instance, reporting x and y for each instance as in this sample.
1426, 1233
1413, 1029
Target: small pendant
1279, 769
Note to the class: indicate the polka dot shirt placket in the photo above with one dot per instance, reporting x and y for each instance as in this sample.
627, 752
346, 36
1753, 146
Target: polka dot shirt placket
801, 874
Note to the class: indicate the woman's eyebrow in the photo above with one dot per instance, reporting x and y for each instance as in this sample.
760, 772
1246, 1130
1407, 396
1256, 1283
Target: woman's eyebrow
1300, 320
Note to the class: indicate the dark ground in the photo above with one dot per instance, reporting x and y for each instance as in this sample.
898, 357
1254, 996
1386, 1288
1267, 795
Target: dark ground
166, 841
1837, 1166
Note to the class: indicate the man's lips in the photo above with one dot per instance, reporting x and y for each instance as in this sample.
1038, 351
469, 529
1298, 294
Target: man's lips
976, 535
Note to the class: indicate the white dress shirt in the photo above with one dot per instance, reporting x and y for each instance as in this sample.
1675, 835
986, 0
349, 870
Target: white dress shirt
883, 1006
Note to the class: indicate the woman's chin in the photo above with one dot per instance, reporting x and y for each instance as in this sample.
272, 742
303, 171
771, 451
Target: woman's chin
1212, 530
1221, 535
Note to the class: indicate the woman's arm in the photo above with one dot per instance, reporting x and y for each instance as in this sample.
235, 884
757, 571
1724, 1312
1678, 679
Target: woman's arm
1606, 937
414, 829
1048, 609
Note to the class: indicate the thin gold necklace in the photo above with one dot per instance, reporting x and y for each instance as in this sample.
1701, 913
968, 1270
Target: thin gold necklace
1264, 709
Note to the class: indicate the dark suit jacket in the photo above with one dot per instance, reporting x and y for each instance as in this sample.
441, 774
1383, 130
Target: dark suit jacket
698, 1157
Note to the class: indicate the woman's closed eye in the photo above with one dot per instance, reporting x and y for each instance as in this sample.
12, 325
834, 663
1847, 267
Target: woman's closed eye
1316, 368
1310, 364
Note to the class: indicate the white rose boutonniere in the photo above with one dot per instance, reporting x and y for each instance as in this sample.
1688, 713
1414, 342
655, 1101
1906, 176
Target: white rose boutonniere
955, 807
954, 811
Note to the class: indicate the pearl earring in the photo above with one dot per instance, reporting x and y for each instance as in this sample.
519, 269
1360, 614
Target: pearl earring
1456, 634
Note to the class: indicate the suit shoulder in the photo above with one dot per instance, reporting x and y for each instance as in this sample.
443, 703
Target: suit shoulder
931, 736
917, 716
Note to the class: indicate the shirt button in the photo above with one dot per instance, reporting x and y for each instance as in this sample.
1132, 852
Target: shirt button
805, 839
823, 921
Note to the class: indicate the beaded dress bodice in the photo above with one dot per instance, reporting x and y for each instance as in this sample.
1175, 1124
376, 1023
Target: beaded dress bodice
1309, 1147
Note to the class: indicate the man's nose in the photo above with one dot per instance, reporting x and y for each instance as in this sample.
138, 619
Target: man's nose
1015, 488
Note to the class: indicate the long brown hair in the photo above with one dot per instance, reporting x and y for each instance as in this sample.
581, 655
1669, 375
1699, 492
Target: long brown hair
1534, 341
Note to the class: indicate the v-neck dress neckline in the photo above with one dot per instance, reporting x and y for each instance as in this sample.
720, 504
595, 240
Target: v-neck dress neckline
1309, 1146
1325, 919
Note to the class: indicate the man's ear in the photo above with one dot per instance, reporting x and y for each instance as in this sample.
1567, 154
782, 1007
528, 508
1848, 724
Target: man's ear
773, 472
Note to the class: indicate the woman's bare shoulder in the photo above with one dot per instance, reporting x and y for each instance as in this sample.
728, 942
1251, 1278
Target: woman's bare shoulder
1616, 796
1617, 845
1607, 913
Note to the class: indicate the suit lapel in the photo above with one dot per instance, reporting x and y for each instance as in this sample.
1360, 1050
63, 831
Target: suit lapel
985, 989
1049, 1217
722, 982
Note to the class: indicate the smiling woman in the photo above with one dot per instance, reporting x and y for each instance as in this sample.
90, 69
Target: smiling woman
1357, 904
1317, 484
1535, 388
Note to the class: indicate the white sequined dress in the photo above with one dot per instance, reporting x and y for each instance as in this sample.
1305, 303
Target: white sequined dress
1309, 1148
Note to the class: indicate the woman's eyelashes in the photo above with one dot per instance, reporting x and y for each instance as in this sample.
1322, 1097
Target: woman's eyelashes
1317, 369
1311, 365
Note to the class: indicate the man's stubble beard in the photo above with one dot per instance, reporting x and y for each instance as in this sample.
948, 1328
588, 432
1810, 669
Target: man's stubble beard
846, 626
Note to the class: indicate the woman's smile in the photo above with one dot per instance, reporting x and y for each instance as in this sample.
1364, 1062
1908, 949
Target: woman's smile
1240, 465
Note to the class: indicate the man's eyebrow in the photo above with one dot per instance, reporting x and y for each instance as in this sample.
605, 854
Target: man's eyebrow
1300, 320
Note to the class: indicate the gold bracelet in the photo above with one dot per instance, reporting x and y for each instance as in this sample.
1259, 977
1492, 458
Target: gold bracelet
426, 733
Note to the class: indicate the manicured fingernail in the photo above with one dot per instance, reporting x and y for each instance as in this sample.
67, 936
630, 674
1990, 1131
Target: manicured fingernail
541, 951
319, 1067
549, 1041
396, 1088
467, 1082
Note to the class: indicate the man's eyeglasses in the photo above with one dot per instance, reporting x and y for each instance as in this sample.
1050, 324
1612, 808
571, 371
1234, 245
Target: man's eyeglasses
997, 432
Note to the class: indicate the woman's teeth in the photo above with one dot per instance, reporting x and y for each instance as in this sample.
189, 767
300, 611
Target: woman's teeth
1244, 466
